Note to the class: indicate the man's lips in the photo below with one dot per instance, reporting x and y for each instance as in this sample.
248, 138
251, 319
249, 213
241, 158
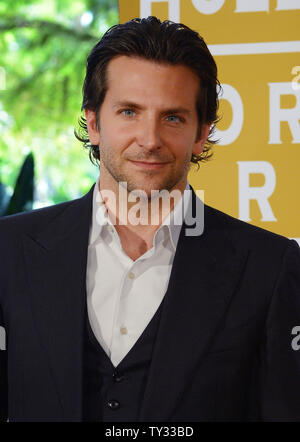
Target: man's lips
148, 164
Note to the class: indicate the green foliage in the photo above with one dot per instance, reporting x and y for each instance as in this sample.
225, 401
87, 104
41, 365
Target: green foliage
43, 49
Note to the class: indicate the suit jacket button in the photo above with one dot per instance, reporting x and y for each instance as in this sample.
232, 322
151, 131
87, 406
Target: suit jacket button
113, 404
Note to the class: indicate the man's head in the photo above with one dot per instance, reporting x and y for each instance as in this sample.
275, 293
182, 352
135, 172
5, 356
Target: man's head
163, 42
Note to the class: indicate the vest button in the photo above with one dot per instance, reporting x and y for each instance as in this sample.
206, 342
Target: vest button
117, 377
113, 404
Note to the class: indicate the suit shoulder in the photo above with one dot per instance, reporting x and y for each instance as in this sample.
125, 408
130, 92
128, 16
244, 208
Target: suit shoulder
33, 220
245, 234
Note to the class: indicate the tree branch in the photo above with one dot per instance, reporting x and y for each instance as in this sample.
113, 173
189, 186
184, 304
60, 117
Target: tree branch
16, 22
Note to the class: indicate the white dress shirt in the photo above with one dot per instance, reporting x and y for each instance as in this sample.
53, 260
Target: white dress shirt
123, 295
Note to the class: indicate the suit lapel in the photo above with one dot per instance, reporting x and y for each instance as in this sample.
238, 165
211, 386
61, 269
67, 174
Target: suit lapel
205, 272
55, 261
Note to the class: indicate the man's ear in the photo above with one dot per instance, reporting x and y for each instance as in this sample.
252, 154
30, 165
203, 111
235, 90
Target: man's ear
91, 122
199, 144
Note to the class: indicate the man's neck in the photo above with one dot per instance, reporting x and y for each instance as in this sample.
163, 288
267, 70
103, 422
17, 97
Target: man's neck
137, 219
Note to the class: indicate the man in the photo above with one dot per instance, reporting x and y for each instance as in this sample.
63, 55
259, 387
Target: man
110, 318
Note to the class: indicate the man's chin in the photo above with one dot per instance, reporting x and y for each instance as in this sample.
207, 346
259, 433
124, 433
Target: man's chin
143, 193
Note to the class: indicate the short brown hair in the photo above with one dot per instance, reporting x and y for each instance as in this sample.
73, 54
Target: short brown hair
164, 42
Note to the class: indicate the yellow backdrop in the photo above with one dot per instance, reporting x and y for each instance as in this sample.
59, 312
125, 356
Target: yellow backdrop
255, 171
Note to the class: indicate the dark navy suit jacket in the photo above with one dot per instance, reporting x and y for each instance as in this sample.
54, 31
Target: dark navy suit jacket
223, 349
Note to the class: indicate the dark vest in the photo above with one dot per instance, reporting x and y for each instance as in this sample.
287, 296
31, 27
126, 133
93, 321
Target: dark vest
115, 394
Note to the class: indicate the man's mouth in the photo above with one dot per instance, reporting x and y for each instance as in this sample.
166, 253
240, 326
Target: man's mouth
149, 164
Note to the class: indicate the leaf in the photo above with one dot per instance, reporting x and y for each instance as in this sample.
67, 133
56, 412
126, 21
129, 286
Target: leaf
4, 198
22, 198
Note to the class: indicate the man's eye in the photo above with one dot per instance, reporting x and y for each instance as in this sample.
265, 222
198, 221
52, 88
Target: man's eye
128, 112
173, 118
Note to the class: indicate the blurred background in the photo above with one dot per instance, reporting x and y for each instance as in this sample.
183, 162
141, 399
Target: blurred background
43, 49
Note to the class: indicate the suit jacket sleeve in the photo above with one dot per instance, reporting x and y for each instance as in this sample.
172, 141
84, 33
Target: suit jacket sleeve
280, 380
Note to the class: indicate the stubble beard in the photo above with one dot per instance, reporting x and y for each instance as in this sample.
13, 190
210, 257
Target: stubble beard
138, 189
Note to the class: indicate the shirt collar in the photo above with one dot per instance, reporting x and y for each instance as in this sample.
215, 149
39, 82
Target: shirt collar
99, 215
173, 222
171, 225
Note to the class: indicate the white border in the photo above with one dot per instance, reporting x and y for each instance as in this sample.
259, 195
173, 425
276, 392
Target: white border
275, 47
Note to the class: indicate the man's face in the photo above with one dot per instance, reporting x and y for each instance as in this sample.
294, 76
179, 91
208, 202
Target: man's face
148, 125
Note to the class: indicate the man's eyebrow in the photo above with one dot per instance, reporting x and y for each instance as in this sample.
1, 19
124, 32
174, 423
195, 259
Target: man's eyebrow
167, 111
176, 110
129, 104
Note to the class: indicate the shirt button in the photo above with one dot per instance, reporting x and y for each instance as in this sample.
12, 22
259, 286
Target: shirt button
131, 275
123, 330
113, 404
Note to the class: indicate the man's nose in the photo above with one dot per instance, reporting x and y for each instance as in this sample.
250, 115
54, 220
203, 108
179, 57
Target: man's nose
149, 136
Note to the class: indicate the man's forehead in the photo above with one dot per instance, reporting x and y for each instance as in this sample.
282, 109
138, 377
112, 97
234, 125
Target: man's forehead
129, 75
134, 63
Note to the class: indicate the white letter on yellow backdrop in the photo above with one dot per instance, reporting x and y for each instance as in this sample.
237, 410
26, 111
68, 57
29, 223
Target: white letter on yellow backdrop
174, 11
277, 114
252, 5
285, 5
229, 135
260, 194
208, 6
